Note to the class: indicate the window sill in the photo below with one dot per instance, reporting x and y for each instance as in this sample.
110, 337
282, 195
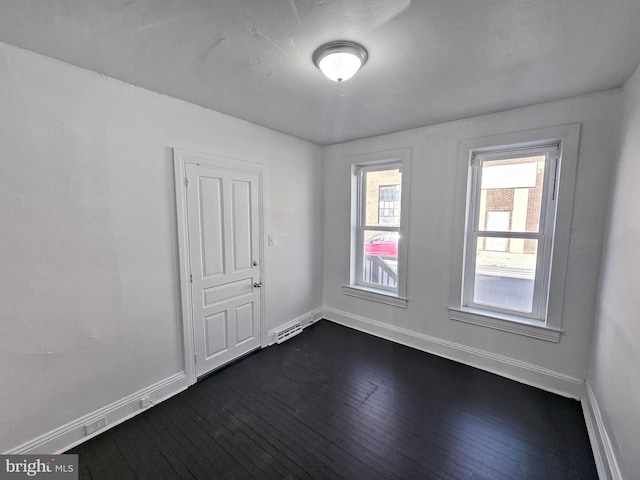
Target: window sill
506, 323
381, 296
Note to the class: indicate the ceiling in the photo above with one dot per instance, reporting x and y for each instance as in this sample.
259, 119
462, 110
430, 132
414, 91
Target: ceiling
430, 61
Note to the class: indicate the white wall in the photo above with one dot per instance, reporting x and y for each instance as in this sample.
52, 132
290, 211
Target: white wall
425, 323
89, 306
614, 372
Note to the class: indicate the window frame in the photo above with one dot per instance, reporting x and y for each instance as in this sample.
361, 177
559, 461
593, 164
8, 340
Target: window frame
361, 172
378, 161
548, 326
544, 235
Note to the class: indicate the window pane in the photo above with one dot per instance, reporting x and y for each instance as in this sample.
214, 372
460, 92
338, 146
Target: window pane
380, 265
505, 273
511, 195
382, 191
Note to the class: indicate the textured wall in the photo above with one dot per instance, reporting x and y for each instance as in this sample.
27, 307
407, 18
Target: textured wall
615, 364
90, 299
434, 185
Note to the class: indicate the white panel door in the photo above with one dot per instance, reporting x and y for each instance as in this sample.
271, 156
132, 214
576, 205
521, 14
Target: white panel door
223, 222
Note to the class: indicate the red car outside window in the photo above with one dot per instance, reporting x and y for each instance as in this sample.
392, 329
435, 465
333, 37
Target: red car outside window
382, 245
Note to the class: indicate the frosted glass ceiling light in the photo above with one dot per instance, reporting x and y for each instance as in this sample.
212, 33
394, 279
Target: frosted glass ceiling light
340, 61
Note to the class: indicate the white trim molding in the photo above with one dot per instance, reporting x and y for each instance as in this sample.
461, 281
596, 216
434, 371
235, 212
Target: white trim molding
180, 160
549, 315
603, 453
379, 296
400, 158
506, 324
523, 372
68, 436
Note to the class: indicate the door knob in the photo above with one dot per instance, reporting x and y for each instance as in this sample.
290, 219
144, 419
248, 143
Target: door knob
257, 284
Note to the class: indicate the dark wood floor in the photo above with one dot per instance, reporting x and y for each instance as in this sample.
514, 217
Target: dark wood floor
336, 403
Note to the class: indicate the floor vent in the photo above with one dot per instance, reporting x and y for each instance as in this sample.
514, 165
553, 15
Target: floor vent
287, 333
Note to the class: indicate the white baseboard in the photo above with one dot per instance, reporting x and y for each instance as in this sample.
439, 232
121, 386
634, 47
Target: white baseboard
305, 320
603, 453
68, 436
520, 371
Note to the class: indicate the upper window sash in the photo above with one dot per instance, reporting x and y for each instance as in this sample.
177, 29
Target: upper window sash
552, 157
360, 172
484, 154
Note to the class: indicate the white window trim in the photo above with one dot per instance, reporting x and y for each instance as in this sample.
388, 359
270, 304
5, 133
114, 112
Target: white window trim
568, 136
375, 295
352, 288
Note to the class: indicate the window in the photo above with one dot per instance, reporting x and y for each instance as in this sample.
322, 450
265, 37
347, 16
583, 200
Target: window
389, 205
378, 260
510, 230
513, 220
378, 229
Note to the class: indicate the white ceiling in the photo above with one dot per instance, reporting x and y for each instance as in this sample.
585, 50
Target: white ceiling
430, 61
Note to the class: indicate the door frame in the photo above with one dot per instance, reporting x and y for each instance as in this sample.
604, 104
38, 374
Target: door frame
181, 158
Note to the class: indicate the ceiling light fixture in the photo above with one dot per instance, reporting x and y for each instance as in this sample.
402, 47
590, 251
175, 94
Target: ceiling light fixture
340, 60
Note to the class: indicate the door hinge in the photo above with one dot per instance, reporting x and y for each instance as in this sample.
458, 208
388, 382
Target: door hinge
191, 278
186, 182
195, 357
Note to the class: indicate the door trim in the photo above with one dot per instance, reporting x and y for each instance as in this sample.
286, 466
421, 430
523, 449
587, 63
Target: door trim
180, 159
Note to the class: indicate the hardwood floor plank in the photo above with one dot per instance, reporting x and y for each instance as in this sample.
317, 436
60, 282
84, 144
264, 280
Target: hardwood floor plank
355, 432
315, 394
282, 438
334, 403
322, 448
